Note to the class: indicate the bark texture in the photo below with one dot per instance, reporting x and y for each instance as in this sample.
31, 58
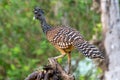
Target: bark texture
110, 17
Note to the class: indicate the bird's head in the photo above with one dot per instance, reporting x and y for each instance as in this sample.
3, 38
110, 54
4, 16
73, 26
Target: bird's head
38, 13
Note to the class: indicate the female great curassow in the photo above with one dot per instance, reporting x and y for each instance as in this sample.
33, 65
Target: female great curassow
65, 39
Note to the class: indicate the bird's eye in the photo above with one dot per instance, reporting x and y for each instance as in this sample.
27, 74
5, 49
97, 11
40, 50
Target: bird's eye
35, 12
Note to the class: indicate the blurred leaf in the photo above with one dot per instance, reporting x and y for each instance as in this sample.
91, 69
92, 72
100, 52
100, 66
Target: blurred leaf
16, 50
13, 67
26, 68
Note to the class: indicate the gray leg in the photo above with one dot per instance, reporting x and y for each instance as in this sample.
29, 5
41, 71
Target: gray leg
69, 63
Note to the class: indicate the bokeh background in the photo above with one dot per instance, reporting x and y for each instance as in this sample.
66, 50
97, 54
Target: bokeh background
23, 46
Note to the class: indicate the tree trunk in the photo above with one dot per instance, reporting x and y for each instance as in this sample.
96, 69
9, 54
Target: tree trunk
110, 17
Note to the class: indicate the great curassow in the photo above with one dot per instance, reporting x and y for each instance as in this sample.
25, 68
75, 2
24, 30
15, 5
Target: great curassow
65, 39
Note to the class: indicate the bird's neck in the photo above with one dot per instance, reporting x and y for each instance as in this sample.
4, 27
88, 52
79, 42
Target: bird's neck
44, 25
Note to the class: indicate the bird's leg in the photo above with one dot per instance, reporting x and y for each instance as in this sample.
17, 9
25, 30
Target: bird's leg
69, 62
60, 56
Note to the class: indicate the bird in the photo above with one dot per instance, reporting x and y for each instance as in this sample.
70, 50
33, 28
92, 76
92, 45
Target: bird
65, 39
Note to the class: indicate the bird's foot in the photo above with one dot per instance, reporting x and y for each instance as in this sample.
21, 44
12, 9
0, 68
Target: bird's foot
52, 59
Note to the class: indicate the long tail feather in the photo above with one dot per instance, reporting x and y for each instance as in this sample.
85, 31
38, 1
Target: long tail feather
88, 50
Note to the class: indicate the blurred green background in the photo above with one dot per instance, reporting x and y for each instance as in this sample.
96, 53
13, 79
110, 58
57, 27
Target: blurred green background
23, 46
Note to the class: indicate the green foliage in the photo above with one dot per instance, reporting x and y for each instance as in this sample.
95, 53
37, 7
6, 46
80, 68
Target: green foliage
23, 46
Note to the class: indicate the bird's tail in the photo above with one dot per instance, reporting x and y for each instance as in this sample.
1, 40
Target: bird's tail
88, 50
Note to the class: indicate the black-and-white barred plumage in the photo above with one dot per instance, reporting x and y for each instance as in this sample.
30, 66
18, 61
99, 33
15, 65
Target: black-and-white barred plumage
89, 50
67, 36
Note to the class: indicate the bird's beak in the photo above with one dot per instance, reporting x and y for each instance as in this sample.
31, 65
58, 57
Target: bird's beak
34, 18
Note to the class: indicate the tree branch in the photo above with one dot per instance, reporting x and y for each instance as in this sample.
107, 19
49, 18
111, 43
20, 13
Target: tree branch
52, 71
